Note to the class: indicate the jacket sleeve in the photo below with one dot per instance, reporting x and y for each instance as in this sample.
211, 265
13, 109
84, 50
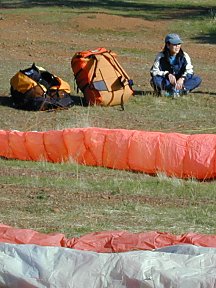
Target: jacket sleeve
156, 67
189, 66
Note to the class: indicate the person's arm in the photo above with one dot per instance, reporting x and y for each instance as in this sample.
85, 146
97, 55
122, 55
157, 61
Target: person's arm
156, 69
188, 70
189, 66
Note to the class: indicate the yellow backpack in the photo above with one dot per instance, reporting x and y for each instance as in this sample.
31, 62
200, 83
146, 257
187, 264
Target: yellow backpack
37, 89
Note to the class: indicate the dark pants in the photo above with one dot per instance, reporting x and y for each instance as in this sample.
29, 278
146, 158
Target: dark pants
162, 83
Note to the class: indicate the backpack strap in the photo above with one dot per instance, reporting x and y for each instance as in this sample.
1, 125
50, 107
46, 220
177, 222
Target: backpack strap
93, 73
110, 56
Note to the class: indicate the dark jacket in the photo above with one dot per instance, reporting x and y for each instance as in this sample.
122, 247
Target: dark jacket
163, 67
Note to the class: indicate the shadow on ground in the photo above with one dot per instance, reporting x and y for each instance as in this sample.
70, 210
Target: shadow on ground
143, 93
151, 92
8, 101
209, 38
159, 11
134, 9
205, 92
80, 101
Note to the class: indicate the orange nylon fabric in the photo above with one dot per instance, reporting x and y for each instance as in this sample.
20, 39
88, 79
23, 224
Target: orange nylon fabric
105, 241
101, 78
179, 155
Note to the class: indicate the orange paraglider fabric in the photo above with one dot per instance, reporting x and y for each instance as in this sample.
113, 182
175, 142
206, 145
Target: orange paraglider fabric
105, 241
175, 154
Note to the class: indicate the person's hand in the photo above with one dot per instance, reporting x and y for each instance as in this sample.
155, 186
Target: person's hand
179, 83
172, 79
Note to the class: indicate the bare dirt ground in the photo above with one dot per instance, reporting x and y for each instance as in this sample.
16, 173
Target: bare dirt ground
29, 38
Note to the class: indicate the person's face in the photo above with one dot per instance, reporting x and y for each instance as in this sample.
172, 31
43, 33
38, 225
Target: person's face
174, 49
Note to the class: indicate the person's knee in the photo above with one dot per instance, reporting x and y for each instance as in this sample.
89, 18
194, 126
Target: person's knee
157, 81
193, 82
198, 80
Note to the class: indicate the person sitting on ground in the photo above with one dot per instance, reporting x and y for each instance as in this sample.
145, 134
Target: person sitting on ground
172, 72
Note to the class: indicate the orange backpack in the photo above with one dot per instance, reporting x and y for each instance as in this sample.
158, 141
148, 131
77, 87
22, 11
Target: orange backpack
101, 78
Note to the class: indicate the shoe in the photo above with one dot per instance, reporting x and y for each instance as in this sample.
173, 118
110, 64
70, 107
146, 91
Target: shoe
184, 92
176, 94
166, 93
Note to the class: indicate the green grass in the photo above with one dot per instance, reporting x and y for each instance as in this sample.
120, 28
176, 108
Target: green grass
75, 199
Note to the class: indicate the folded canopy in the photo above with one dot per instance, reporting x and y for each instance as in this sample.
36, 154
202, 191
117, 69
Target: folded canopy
42, 267
105, 241
179, 155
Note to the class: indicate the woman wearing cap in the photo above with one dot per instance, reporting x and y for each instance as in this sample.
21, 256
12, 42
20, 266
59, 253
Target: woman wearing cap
172, 71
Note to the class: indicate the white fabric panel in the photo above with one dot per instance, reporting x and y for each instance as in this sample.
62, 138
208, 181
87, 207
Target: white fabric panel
28, 266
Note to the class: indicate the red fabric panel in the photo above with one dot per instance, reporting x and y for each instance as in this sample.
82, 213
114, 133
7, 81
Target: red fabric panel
200, 158
5, 149
115, 153
179, 155
27, 236
55, 146
143, 151
35, 146
106, 241
75, 144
